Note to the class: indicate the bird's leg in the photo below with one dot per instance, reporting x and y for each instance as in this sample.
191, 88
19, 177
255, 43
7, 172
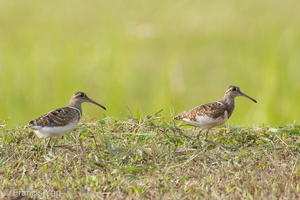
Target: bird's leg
57, 138
47, 145
206, 134
207, 140
217, 144
198, 135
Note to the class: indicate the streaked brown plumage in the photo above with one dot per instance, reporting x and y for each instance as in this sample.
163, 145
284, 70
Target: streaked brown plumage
62, 120
58, 117
214, 110
212, 114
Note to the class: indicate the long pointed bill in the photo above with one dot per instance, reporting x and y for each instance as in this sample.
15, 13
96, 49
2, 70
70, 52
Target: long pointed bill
242, 94
94, 102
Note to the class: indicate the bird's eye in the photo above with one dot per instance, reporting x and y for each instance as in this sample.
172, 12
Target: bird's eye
82, 95
234, 89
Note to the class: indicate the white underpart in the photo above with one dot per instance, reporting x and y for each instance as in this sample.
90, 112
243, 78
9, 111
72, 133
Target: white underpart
206, 122
47, 131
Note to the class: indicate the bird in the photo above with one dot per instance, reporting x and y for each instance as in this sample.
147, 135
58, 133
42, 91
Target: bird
212, 114
61, 121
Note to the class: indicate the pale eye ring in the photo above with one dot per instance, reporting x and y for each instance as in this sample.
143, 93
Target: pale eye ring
82, 95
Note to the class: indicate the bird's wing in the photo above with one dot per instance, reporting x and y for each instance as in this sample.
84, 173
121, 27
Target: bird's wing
58, 117
214, 110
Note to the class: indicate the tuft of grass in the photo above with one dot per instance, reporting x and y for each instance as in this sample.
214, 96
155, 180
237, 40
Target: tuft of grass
152, 158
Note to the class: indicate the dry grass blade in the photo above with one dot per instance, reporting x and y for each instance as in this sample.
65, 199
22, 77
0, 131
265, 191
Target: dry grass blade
151, 158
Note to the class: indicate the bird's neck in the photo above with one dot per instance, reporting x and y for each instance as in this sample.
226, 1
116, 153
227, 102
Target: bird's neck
76, 104
229, 102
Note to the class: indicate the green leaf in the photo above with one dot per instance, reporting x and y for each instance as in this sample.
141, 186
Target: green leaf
127, 169
45, 167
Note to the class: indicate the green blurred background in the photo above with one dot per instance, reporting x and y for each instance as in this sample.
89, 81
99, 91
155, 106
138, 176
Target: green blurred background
150, 55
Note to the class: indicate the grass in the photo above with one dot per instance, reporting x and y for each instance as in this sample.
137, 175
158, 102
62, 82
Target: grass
152, 158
